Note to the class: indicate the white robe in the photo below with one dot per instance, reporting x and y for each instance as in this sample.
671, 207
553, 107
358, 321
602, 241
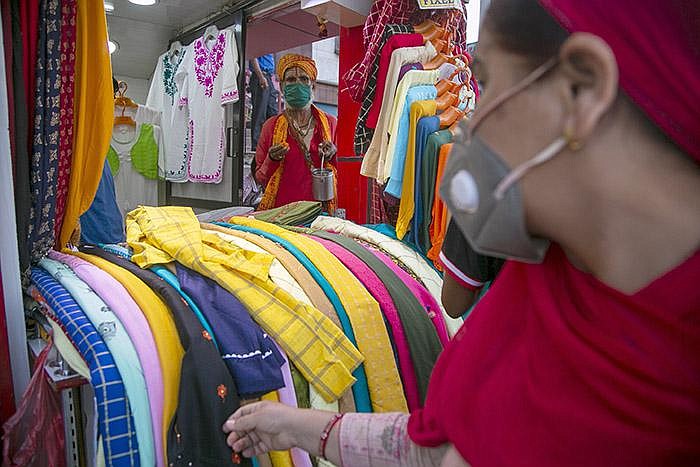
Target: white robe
207, 80
164, 96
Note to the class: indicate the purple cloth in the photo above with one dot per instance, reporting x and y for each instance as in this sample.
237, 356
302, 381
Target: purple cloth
288, 396
408, 67
421, 293
120, 302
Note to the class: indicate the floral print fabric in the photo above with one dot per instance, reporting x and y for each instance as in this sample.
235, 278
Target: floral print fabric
45, 145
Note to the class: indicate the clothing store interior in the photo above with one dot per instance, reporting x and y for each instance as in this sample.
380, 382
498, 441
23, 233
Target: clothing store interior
213, 209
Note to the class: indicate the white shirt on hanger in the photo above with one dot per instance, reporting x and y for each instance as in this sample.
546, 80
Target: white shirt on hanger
164, 96
208, 80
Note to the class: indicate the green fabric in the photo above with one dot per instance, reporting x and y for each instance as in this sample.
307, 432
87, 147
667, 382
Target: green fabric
144, 153
428, 180
423, 342
113, 159
301, 388
296, 213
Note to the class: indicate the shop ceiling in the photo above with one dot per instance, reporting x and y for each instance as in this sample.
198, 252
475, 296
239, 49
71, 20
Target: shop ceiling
143, 32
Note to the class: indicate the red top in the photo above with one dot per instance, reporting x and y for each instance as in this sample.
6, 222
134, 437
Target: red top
555, 368
295, 184
396, 41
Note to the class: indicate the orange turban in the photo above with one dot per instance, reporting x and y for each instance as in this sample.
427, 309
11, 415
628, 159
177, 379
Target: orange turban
295, 60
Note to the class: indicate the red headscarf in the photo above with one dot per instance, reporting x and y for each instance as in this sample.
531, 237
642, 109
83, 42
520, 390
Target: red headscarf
657, 47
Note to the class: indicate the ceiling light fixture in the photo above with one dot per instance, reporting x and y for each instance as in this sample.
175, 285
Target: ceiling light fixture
109, 7
113, 46
144, 2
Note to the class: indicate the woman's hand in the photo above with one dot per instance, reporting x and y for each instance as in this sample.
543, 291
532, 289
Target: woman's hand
260, 427
277, 152
327, 150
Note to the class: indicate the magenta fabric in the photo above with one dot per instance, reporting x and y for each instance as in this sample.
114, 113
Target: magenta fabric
555, 368
397, 41
657, 47
421, 293
120, 302
375, 286
288, 396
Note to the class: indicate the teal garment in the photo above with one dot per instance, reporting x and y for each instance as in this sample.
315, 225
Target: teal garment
427, 182
120, 346
360, 390
421, 336
172, 280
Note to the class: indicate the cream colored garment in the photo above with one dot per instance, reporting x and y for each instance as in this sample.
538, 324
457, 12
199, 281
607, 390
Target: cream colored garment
408, 257
399, 57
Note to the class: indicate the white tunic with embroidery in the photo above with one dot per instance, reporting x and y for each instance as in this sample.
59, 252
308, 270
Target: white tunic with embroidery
164, 96
207, 80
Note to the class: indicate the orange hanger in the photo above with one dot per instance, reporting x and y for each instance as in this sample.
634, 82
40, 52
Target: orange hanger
434, 34
445, 85
425, 26
436, 62
449, 116
453, 128
446, 100
122, 101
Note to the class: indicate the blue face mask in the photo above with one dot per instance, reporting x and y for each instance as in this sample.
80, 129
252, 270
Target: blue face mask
297, 95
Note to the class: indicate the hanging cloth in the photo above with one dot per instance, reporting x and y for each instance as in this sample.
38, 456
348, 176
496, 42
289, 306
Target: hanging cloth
94, 111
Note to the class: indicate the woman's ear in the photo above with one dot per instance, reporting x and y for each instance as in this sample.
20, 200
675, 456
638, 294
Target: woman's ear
590, 75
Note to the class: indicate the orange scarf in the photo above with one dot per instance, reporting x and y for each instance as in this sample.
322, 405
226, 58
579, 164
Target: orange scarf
279, 136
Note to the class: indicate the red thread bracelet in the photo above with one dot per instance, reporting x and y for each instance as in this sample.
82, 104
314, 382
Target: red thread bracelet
325, 434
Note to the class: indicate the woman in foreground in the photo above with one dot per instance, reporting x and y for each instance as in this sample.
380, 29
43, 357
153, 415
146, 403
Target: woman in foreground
586, 351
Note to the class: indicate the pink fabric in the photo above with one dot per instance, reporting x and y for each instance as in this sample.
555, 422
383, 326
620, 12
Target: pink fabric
120, 302
288, 397
555, 368
375, 286
657, 47
397, 41
65, 146
421, 293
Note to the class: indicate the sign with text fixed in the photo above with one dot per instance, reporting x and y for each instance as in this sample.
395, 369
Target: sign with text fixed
439, 4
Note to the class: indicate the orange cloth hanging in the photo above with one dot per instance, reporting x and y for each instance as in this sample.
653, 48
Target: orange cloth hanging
440, 215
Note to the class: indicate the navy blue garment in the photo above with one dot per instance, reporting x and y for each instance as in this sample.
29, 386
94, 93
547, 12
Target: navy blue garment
115, 421
360, 390
249, 353
426, 126
103, 222
47, 112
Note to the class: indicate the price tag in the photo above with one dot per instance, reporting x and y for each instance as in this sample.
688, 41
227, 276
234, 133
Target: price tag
439, 4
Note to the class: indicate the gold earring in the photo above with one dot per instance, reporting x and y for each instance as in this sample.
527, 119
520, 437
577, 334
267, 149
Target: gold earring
572, 142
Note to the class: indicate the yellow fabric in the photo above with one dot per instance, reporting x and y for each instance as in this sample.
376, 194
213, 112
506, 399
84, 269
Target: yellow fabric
302, 61
385, 388
279, 136
278, 458
94, 110
312, 342
170, 351
406, 207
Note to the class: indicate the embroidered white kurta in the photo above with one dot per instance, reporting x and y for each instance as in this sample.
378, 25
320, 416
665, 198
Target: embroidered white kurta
164, 96
207, 80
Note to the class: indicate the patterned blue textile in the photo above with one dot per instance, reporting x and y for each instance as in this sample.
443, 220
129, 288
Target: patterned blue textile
47, 111
360, 390
116, 424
